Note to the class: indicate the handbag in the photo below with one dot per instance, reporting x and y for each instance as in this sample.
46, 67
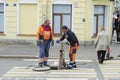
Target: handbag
108, 53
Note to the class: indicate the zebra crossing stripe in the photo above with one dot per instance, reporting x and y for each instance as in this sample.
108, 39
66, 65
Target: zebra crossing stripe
114, 73
23, 69
30, 78
57, 60
112, 76
67, 79
22, 72
111, 69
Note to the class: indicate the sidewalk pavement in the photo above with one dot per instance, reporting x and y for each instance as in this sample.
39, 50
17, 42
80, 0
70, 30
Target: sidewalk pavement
25, 51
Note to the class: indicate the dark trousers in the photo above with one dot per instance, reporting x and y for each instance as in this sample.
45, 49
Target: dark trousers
101, 55
44, 49
118, 35
113, 30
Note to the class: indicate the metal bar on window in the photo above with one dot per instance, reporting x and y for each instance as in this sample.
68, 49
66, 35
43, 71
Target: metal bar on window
104, 17
1, 12
71, 19
62, 14
97, 25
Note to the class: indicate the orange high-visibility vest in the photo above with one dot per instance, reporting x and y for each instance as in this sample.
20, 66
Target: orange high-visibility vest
45, 35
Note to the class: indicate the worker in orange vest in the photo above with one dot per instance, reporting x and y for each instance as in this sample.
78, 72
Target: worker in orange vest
44, 38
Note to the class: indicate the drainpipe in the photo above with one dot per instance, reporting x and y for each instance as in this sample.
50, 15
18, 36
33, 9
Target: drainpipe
44, 9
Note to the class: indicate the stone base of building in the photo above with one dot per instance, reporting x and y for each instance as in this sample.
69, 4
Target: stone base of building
33, 42
86, 43
17, 42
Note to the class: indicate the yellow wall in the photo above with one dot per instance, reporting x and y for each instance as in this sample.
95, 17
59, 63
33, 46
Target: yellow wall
83, 9
79, 15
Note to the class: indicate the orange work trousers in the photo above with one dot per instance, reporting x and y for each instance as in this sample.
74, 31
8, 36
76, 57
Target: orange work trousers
72, 52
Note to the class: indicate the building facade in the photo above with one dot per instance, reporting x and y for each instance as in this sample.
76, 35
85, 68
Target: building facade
20, 19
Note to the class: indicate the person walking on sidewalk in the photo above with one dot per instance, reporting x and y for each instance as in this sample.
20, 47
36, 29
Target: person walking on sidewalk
117, 26
118, 30
71, 37
102, 45
44, 38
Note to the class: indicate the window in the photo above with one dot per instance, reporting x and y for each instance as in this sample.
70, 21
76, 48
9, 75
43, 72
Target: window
27, 19
1, 18
62, 15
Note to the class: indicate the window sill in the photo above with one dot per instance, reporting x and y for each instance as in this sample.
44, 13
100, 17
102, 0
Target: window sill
94, 36
2, 34
57, 35
27, 35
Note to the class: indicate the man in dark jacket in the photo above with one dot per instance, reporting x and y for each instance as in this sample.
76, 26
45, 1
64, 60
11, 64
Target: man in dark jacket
117, 26
74, 43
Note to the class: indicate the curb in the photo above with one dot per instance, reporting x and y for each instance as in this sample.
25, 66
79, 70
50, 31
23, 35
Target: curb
19, 56
25, 57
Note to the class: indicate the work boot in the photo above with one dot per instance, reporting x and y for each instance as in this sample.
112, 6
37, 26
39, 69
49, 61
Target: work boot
74, 65
45, 63
100, 62
40, 65
69, 66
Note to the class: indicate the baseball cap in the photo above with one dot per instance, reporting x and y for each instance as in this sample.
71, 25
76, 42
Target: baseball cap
47, 21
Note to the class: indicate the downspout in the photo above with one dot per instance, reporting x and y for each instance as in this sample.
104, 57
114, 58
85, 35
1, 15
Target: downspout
44, 9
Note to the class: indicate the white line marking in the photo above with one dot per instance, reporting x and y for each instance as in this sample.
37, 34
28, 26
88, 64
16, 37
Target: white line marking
73, 70
73, 73
25, 72
110, 68
112, 73
19, 68
67, 78
52, 73
57, 60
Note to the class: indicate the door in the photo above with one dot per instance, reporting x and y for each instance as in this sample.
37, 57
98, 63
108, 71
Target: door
62, 15
99, 18
28, 19
1, 18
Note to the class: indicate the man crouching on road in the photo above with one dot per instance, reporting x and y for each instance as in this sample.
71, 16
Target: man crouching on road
71, 37
45, 37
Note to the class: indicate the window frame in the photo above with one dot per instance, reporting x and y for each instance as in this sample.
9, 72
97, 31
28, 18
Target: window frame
1, 2
61, 15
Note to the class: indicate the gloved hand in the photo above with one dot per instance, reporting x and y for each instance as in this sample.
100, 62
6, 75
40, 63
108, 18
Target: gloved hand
52, 43
38, 42
57, 41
